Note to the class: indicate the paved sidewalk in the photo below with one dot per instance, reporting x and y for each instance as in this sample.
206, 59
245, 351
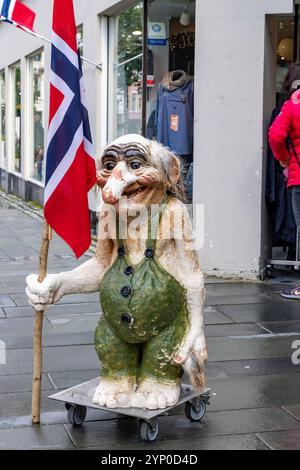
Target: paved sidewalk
250, 330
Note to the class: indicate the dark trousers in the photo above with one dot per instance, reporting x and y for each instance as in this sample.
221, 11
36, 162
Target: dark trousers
296, 210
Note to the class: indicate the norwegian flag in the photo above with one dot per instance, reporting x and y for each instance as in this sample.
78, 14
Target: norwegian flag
17, 13
70, 163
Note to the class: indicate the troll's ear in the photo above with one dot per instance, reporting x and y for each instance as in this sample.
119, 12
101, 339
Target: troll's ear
171, 165
168, 162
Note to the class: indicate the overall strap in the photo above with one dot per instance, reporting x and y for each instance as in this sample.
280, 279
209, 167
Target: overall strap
153, 227
121, 243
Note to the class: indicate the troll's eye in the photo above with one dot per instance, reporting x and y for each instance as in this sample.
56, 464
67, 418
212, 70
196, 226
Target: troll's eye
109, 165
135, 165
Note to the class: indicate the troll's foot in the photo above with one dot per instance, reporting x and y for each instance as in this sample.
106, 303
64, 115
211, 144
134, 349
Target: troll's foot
156, 395
114, 393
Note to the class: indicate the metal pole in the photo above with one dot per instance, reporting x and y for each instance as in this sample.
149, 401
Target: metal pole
43, 38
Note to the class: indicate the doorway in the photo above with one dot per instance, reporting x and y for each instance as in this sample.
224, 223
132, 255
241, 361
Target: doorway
284, 255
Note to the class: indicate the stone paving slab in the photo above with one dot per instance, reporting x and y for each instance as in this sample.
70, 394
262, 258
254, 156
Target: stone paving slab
6, 301
255, 392
236, 289
21, 299
294, 411
35, 438
262, 346
243, 329
20, 383
281, 440
257, 367
178, 427
74, 323
261, 313
58, 339
282, 326
19, 361
16, 327
228, 299
237, 442
213, 317
58, 309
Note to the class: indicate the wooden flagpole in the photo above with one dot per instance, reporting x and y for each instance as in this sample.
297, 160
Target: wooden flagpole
38, 331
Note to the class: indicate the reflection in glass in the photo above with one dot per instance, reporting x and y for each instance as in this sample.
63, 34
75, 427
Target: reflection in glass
126, 56
80, 39
37, 115
2, 119
285, 49
16, 127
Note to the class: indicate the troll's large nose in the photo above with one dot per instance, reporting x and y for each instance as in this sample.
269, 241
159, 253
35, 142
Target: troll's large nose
117, 182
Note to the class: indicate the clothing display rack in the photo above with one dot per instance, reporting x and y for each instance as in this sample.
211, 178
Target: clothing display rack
282, 262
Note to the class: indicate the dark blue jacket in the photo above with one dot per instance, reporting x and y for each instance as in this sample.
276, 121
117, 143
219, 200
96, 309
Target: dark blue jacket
175, 118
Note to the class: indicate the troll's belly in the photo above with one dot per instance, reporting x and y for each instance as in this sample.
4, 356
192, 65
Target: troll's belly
140, 301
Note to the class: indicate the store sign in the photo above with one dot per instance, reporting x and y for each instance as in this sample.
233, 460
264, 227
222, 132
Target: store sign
182, 40
157, 35
150, 80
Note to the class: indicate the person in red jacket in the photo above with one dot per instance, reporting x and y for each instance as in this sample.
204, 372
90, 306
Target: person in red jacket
284, 138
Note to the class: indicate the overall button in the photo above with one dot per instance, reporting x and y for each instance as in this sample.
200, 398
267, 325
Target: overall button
126, 291
129, 270
121, 252
149, 253
126, 318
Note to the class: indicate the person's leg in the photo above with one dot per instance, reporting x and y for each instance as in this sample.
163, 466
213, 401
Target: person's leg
294, 293
119, 367
296, 209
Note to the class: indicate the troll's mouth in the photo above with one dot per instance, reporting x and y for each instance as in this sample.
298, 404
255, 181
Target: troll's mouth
136, 192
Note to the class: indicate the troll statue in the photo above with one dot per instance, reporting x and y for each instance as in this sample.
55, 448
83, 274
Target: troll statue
151, 286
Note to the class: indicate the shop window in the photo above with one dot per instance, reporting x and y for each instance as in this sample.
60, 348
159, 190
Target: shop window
2, 121
80, 39
170, 80
37, 115
285, 49
16, 117
126, 66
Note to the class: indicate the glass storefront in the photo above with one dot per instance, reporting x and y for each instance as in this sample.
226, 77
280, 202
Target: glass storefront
2, 120
37, 115
152, 92
126, 70
16, 117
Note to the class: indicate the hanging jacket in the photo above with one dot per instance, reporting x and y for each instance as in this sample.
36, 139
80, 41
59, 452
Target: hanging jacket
279, 198
287, 124
175, 112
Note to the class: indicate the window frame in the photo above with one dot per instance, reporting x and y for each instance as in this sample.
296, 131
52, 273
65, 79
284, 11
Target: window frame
12, 119
3, 158
29, 126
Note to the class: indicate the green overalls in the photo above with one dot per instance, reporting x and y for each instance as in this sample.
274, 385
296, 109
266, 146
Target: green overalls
144, 317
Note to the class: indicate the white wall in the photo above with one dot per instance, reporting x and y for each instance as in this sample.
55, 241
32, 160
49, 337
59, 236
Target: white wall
230, 53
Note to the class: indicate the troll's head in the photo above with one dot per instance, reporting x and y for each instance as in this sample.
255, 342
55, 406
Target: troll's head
140, 169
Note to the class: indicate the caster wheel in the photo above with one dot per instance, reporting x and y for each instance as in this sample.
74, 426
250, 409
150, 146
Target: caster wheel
76, 414
149, 430
195, 414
